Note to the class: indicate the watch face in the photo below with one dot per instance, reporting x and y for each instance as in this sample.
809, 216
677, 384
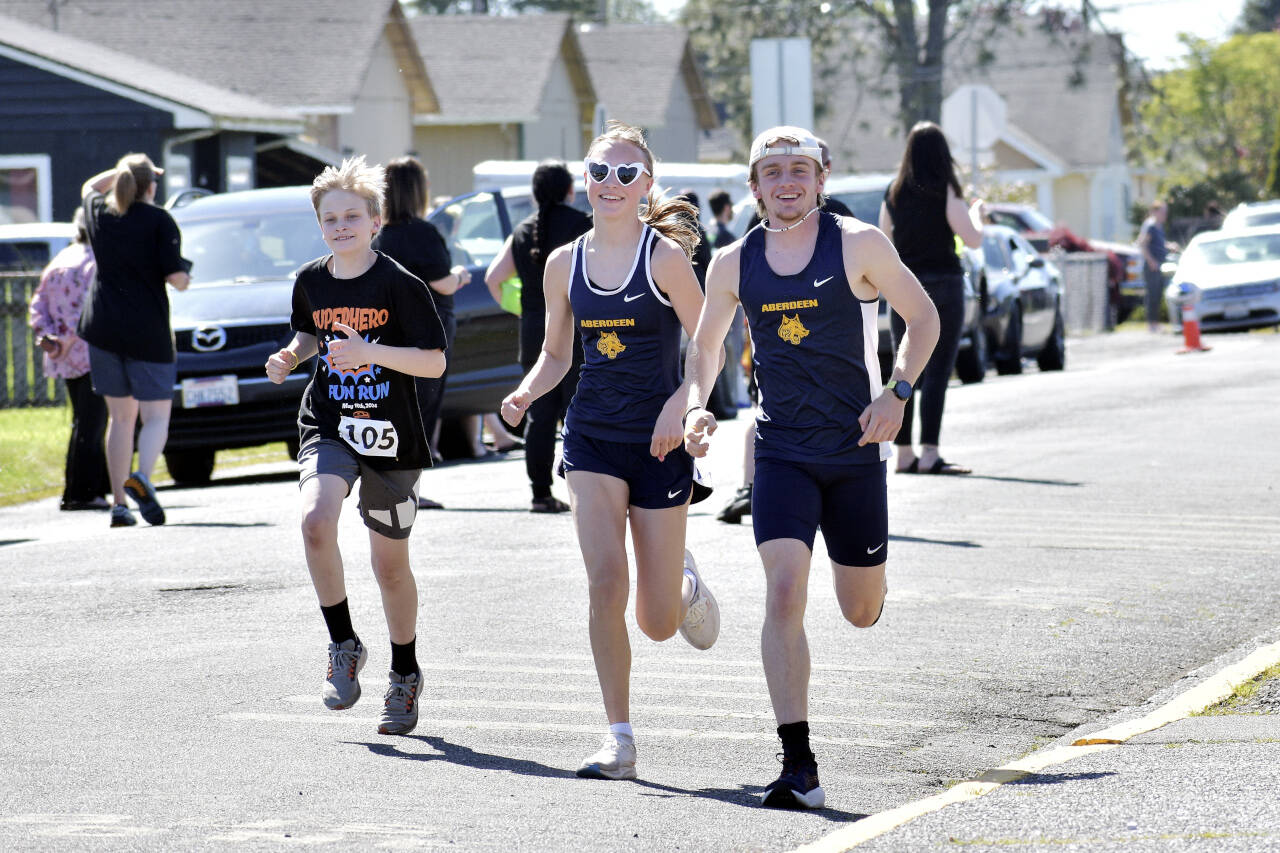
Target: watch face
902, 389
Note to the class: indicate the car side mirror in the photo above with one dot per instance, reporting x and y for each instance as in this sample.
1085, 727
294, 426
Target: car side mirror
1036, 263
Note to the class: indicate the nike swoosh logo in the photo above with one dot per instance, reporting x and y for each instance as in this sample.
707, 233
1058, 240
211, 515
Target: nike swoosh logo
817, 283
673, 494
632, 298
877, 548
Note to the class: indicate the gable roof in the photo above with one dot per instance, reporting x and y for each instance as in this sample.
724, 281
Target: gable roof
639, 90
307, 55
193, 103
489, 69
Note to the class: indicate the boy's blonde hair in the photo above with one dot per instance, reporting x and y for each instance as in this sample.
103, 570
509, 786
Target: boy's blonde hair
354, 176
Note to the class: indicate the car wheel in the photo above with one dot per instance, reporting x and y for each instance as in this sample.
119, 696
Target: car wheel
190, 467
1008, 359
971, 362
1054, 354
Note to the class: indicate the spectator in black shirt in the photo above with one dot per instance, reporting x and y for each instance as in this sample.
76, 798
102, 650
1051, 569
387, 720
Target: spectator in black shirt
416, 245
525, 254
125, 321
722, 210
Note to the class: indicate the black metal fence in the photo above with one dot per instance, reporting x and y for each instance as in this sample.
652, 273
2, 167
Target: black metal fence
22, 379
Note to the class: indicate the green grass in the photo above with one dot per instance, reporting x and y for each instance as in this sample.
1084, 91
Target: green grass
1242, 694
33, 452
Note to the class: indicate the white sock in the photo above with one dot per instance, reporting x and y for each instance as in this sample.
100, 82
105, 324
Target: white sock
621, 730
686, 600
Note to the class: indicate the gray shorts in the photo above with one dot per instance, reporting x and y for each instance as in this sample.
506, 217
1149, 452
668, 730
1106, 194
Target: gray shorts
118, 376
388, 499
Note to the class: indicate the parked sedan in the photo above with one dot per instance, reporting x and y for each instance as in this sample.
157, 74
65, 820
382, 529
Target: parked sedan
1021, 297
1237, 276
245, 247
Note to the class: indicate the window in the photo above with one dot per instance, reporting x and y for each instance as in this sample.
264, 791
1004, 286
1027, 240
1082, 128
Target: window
26, 194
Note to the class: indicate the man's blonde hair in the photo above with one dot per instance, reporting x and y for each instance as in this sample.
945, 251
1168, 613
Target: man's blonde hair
354, 176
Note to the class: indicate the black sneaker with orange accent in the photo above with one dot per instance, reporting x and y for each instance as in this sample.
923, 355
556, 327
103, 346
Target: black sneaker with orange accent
342, 684
797, 787
400, 704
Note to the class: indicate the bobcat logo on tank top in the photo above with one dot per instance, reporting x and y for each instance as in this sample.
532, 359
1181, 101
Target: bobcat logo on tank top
792, 330
609, 345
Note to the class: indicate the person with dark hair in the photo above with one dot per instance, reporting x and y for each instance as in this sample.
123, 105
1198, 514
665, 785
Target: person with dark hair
722, 210
809, 282
125, 321
55, 308
525, 254
627, 287
416, 245
923, 212
702, 252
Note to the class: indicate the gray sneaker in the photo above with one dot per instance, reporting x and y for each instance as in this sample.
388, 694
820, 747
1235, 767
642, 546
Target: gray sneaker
342, 685
143, 493
701, 623
400, 705
122, 516
615, 759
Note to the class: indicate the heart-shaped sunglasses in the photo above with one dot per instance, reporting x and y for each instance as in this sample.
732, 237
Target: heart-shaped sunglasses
626, 172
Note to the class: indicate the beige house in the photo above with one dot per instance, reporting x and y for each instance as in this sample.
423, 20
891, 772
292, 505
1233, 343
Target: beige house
348, 68
658, 87
509, 88
1064, 136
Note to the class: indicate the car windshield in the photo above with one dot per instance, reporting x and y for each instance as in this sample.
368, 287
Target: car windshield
1270, 217
865, 205
269, 246
1240, 249
1023, 219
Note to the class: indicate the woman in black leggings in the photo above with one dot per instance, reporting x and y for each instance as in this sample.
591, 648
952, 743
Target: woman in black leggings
923, 212
554, 223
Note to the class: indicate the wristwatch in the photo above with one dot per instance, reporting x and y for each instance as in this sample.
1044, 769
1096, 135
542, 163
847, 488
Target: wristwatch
901, 389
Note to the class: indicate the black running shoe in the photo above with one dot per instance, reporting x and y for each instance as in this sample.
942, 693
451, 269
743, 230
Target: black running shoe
143, 493
738, 506
796, 788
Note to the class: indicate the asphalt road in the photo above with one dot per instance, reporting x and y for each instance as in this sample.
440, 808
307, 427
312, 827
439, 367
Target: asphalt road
161, 685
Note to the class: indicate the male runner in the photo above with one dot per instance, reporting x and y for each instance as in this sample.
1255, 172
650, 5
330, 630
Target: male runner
809, 282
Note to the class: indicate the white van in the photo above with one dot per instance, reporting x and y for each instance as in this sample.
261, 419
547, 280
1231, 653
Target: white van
702, 178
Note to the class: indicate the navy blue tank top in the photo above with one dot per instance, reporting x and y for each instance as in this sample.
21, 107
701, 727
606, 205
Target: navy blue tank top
631, 349
812, 341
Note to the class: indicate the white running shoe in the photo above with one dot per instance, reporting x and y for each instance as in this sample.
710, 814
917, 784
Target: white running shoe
616, 759
701, 624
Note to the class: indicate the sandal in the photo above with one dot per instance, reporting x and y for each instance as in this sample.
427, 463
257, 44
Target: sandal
913, 468
427, 503
548, 504
942, 466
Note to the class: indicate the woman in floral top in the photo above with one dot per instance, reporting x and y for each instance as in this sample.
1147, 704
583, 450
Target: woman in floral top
55, 309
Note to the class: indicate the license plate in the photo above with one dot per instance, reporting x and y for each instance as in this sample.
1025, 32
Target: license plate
210, 391
1235, 312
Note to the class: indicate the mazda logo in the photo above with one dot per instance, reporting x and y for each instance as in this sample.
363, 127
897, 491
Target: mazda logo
208, 338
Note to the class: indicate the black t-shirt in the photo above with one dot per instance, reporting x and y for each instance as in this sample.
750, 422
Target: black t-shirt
701, 258
564, 224
127, 309
374, 410
921, 233
417, 246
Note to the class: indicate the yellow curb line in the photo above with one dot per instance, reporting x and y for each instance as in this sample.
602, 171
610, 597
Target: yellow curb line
1209, 692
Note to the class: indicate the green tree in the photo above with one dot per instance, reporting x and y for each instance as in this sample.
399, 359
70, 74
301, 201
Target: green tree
1273, 175
909, 38
1216, 115
1259, 16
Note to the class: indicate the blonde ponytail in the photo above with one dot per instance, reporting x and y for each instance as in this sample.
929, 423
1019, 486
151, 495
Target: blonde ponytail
674, 218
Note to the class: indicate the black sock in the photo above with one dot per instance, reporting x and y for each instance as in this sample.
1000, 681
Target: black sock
338, 619
404, 660
795, 741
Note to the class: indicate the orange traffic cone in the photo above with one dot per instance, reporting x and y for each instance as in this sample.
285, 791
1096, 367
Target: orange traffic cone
1191, 330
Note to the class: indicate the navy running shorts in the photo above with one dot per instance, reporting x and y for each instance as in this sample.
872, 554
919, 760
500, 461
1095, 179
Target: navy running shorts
388, 499
791, 500
116, 376
653, 484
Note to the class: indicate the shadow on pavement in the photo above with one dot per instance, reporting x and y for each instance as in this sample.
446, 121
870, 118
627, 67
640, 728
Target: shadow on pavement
1027, 480
746, 795
234, 524
954, 543
1059, 778
455, 754
290, 475
4, 542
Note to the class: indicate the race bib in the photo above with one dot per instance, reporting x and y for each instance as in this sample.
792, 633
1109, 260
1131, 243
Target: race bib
369, 437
